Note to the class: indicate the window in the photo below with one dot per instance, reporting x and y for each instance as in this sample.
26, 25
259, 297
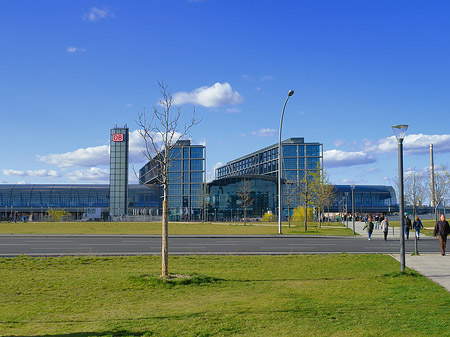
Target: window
197, 165
197, 152
289, 163
289, 150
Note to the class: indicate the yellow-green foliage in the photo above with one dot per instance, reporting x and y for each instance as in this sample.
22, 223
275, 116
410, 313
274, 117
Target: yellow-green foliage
268, 217
56, 214
299, 214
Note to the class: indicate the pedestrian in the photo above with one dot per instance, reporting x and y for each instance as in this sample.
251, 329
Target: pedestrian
369, 226
408, 226
417, 225
443, 229
385, 227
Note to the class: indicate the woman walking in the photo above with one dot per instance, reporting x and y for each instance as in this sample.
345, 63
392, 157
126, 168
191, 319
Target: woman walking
385, 227
369, 226
417, 225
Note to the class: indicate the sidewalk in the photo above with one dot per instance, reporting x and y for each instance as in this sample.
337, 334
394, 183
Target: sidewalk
433, 266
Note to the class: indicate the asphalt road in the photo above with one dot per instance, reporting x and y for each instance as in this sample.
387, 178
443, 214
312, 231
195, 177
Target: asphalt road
56, 245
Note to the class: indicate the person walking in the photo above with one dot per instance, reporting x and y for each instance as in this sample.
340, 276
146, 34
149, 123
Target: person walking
407, 226
385, 227
417, 225
377, 222
369, 225
443, 229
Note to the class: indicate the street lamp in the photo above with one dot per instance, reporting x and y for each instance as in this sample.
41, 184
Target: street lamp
353, 209
290, 93
346, 207
400, 133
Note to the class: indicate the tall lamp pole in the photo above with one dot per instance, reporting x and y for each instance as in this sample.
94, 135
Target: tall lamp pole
400, 133
290, 93
353, 209
346, 207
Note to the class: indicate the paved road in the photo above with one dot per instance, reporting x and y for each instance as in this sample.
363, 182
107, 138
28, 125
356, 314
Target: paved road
49, 245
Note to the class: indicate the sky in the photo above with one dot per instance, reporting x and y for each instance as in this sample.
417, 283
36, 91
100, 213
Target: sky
72, 69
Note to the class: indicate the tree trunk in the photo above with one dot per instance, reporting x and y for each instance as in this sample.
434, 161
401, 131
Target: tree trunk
320, 218
245, 216
165, 236
306, 216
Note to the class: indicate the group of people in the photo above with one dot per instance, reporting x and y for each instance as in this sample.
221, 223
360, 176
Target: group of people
371, 226
383, 222
441, 229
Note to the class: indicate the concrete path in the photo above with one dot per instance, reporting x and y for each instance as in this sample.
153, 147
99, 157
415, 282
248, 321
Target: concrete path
432, 266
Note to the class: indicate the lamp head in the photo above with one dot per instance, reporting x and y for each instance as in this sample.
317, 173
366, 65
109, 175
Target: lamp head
290, 93
400, 131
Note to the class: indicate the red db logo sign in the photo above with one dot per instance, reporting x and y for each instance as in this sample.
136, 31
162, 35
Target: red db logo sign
117, 137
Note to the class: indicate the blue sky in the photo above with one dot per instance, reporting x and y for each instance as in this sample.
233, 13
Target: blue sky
70, 70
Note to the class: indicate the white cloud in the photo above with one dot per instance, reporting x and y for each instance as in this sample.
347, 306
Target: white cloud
91, 156
95, 14
210, 175
93, 174
233, 110
98, 155
75, 49
339, 142
265, 132
338, 158
415, 143
266, 78
31, 173
219, 94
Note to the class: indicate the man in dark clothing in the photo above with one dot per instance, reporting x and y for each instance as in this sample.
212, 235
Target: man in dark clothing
408, 226
443, 229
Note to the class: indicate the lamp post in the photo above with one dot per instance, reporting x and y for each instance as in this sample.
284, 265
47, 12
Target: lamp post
290, 93
346, 207
353, 209
400, 133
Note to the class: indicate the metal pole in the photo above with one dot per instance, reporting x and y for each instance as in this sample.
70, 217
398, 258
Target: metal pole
280, 157
353, 210
400, 195
346, 207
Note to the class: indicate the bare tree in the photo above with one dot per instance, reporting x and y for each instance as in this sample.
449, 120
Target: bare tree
441, 184
415, 188
160, 133
291, 197
323, 191
244, 193
306, 194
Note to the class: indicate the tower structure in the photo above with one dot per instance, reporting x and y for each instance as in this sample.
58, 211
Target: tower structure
118, 177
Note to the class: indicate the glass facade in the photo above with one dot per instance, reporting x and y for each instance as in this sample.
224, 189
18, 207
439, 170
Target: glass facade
185, 180
119, 140
72, 198
225, 203
298, 157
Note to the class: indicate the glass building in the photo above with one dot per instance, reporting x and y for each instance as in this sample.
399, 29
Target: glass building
118, 194
186, 178
298, 157
75, 199
225, 203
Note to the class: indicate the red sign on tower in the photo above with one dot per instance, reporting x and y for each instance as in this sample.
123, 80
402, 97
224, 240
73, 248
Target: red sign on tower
117, 137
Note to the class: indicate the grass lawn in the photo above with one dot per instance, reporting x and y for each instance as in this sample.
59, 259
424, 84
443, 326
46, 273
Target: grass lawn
149, 228
324, 295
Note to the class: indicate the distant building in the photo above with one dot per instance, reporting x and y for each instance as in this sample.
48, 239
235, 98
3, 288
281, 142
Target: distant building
119, 150
185, 180
298, 157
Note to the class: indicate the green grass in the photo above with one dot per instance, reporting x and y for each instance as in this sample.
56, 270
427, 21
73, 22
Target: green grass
324, 295
175, 228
